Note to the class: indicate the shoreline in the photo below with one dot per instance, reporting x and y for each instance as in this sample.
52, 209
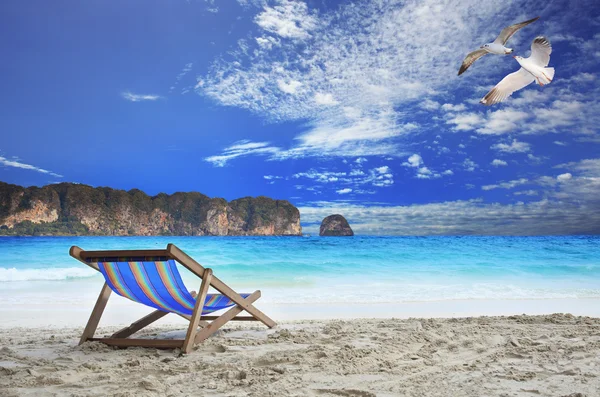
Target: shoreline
120, 312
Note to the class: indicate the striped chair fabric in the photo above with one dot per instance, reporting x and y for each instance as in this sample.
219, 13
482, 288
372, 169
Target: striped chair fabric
156, 282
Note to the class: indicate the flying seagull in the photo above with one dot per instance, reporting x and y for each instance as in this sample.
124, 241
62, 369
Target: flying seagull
532, 69
497, 47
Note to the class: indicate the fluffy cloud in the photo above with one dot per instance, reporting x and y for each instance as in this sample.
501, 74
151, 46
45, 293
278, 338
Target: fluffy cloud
421, 171
345, 72
514, 147
499, 163
414, 161
466, 121
289, 87
325, 99
448, 107
469, 165
564, 177
288, 19
503, 121
375, 177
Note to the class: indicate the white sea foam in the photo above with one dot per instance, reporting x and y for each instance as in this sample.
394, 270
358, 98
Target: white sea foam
48, 274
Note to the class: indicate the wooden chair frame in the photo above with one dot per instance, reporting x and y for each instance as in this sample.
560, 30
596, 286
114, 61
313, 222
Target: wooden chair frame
193, 335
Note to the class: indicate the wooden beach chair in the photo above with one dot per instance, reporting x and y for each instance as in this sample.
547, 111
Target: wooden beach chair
151, 277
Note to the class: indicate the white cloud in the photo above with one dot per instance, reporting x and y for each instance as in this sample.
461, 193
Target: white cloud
425, 173
421, 171
240, 149
560, 114
352, 64
448, 107
15, 163
344, 191
289, 19
586, 167
428, 104
414, 161
502, 121
465, 121
506, 185
469, 165
376, 177
320, 176
526, 193
564, 177
560, 143
570, 205
514, 147
186, 69
267, 42
535, 159
499, 163
139, 97
289, 88
473, 217
325, 99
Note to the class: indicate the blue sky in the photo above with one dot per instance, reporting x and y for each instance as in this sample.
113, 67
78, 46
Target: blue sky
339, 107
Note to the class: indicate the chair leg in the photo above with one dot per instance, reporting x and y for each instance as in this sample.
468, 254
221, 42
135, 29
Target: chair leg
224, 318
191, 332
139, 324
92, 324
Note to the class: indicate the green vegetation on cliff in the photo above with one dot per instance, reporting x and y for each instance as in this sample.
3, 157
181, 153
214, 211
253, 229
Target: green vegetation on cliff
75, 209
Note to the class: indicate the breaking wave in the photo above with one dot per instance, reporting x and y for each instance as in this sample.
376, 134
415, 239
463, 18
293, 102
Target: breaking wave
53, 274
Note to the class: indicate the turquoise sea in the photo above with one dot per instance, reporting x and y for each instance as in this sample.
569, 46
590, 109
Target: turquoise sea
360, 269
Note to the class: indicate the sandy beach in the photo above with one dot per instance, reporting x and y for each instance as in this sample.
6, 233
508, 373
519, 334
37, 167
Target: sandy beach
546, 355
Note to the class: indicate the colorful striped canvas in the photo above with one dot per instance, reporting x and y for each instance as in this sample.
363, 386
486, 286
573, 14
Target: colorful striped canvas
157, 284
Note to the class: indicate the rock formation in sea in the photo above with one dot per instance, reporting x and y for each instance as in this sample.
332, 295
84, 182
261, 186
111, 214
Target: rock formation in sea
335, 225
75, 209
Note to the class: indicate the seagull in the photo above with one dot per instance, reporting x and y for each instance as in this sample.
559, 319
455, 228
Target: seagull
497, 47
532, 69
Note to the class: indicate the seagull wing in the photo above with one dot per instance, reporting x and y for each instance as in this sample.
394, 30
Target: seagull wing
540, 51
509, 31
469, 59
511, 83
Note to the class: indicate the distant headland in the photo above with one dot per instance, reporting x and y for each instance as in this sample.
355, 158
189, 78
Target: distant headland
68, 209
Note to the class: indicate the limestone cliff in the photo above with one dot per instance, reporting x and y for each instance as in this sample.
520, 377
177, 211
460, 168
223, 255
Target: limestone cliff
74, 209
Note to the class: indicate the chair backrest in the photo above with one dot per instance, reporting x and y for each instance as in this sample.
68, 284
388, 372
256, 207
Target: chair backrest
155, 282
152, 281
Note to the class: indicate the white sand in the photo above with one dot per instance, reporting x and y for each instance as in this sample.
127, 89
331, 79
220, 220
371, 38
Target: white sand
550, 355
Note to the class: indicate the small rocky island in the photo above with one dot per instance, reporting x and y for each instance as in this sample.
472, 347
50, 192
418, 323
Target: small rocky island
335, 225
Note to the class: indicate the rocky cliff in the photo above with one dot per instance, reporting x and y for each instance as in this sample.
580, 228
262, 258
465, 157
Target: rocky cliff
335, 225
74, 209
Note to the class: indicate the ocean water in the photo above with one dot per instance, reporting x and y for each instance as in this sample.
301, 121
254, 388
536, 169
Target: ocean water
346, 270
